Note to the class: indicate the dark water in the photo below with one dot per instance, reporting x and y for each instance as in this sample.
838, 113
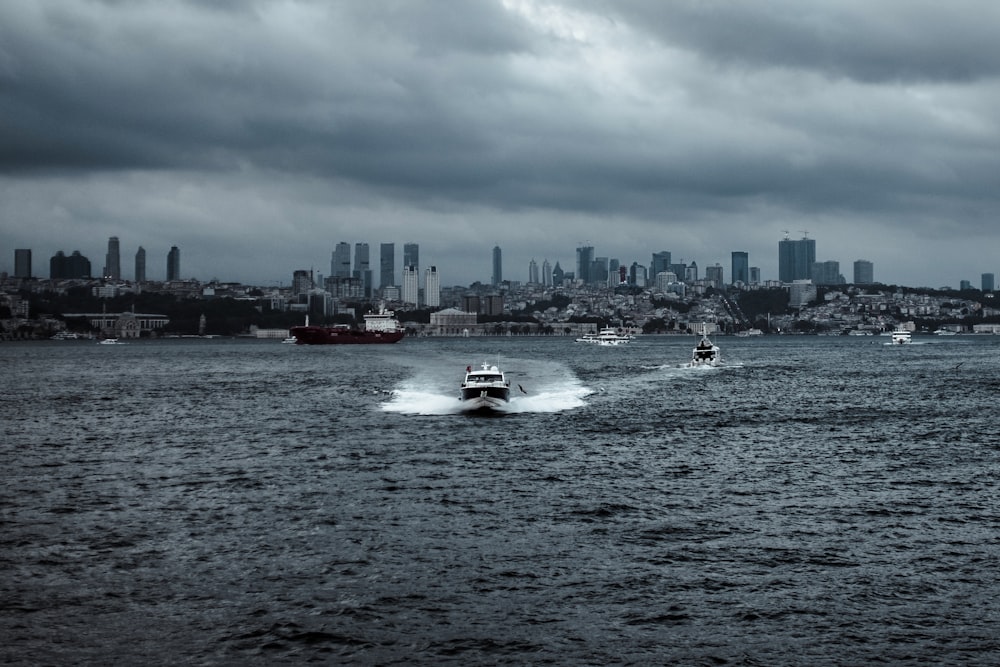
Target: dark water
821, 501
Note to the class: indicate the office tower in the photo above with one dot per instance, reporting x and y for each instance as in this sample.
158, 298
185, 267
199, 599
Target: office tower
432, 288
660, 263
987, 279
826, 273
22, 263
411, 255
173, 264
691, 272
301, 282
754, 275
558, 275
113, 261
340, 262
411, 285
546, 275
714, 274
864, 272
75, 266
497, 278
614, 276
795, 259
140, 265
387, 265
964, 285
599, 271
637, 275
533, 272
584, 262
362, 267
741, 268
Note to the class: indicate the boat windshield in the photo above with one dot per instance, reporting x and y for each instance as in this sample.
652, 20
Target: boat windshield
485, 378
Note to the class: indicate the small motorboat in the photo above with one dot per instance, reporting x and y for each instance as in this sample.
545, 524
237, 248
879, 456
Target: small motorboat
705, 353
484, 388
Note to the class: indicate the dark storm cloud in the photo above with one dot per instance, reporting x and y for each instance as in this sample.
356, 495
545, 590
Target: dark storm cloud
658, 115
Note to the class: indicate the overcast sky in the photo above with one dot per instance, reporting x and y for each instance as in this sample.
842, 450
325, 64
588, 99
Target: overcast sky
256, 135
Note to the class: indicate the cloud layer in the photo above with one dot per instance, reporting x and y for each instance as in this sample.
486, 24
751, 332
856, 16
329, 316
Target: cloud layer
256, 135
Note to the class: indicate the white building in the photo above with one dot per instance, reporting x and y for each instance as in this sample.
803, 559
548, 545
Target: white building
432, 288
411, 285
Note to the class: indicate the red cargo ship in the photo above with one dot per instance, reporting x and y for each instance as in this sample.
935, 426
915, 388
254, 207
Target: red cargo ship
380, 328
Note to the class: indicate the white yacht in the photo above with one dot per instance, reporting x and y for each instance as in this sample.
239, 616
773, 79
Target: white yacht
606, 336
705, 353
485, 388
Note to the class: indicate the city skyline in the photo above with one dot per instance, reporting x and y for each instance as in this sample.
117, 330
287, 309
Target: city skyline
537, 127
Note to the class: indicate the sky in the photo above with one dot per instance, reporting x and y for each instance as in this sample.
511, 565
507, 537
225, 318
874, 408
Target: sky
256, 134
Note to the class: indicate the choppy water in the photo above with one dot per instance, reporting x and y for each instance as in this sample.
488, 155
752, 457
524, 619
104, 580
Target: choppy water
821, 501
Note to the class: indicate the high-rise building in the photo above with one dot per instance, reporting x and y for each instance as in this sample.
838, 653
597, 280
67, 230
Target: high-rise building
411, 255
964, 285
497, 278
533, 276
864, 272
795, 259
584, 262
558, 275
546, 273
340, 262
387, 265
411, 285
691, 272
826, 273
715, 274
660, 263
302, 281
140, 265
741, 268
173, 264
987, 281
754, 275
362, 267
75, 266
112, 261
614, 275
432, 288
637, 275
22, 263
599, 271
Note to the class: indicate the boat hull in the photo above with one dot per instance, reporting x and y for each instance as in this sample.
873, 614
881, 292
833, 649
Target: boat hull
313, 335
477, 398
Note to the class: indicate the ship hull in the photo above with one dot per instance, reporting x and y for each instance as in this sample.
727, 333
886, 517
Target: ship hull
311, 335
484, 398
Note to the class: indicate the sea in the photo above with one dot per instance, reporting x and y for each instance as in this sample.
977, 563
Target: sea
815, 501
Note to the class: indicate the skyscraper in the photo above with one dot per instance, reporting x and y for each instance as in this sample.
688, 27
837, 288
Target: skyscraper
411, 285
497, 267
173, 264
826, 273
432, 288
411, 255
795, 259
362, 267
584, 262
387, 265
741, 268
660, 263
140, 265
22, 263
74, 266
864, 272
112, 261
533, 272
715, 274
987, 279
546, 273
558, 275
340, 262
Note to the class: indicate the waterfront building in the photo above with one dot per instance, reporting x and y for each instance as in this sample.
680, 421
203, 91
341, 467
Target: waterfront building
432, 288
387, 265
140, 265
864, 272
411, 285
173, 264
112, 261
987, 282
497, 278
22, 263
740, 267
795, 259
453, 322
340, 260
75, 266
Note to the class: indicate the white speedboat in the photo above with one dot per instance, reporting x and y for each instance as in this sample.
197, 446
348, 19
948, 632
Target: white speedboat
484, 388
606, 336
110, 341
900, 336
705, 353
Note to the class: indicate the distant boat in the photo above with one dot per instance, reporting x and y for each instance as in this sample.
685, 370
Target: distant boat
705, 353
945, 332
110, 341
291, 340
900, 336
607, 336
750, 332
380, 328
